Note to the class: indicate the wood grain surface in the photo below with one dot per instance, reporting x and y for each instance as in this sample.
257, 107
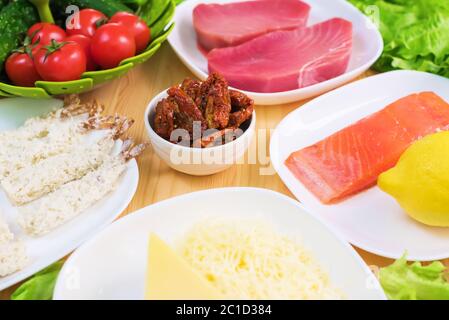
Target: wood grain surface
130, 96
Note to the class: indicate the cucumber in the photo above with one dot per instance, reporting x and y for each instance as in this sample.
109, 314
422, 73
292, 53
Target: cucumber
108, 7
15, 19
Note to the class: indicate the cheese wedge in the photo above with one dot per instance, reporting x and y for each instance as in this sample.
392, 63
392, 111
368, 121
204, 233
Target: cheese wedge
169, 277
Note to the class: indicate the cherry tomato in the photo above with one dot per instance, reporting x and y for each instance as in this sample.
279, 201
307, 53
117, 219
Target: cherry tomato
111, 44
86, 24
64, 61
44, 33
84, 42
21, 70
136, 25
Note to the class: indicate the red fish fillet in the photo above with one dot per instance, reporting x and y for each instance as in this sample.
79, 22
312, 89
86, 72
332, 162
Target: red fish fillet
350, 160
224, 25
286, 60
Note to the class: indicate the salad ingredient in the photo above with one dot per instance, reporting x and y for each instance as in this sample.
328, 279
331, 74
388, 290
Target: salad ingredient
84, 42
40, 286
111, 44
108, 7
403, 281
15, 19
231, 24
248, 259
414, 33
12, 252
210, 104
286, 60
169, 277
64, 61
351, 160
49, 212
419, 180
21, 70
137, 26
87, 22
40, 178
43, 33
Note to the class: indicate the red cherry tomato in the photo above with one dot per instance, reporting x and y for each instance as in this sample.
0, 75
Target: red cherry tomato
86, 24
111, 44
137, 26
44, 33
61, 61
21, 70
84, 42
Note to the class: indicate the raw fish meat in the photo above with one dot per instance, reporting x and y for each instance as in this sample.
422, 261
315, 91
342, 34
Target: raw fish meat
286, 60
351, 160
224, 25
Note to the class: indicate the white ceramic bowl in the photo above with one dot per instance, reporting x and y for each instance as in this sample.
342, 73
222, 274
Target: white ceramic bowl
195, 161
113, 264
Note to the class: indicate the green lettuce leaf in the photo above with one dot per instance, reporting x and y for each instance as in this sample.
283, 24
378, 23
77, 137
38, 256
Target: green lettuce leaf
415, 33
40, 286
403, 281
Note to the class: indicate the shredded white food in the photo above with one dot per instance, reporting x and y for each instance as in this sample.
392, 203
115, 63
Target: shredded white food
249, 260
34, 181
47, 213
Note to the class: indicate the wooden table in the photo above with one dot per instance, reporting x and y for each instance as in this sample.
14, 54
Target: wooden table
130, 96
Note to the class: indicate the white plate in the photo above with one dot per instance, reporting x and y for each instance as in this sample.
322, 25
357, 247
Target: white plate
371, 220
368, 46
47, 249
113, 264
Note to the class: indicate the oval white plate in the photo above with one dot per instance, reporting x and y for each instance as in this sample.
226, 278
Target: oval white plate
371, 220
45, 250
113, 264
368, 46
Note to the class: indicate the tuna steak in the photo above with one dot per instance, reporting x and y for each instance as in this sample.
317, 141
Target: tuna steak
224, 25
286, 60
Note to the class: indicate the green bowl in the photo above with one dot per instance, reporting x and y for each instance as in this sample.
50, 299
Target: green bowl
89, 80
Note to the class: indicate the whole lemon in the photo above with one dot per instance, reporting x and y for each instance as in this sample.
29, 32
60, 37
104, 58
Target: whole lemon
420, 180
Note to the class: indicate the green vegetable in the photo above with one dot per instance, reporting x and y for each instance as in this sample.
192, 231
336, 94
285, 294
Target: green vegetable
3, 3
402, 281
156, 13
108, 7
415, 33
15, 19
40, 286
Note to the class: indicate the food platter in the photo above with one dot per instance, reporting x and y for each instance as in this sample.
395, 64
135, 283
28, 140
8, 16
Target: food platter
371, 220
43, 251
113, 266
367, 47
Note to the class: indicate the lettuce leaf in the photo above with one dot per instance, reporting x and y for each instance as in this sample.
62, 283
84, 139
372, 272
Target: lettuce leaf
415, 33
40, 286
403, 281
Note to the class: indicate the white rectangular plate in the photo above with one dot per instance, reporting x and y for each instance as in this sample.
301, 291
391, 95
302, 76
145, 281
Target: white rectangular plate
45, 250
367, 47
113, 264
371, 220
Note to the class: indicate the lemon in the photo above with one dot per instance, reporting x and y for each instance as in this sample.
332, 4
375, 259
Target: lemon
420, 180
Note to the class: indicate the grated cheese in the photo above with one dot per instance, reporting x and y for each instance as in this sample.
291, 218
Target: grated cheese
249, 260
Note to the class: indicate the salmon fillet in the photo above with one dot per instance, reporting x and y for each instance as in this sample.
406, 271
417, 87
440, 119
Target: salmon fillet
350, 160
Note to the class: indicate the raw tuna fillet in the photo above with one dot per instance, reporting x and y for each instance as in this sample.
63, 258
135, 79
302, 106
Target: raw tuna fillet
350, 160
224, 25
286, 60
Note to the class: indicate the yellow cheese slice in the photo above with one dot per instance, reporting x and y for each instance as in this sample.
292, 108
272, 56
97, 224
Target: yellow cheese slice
169, 277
